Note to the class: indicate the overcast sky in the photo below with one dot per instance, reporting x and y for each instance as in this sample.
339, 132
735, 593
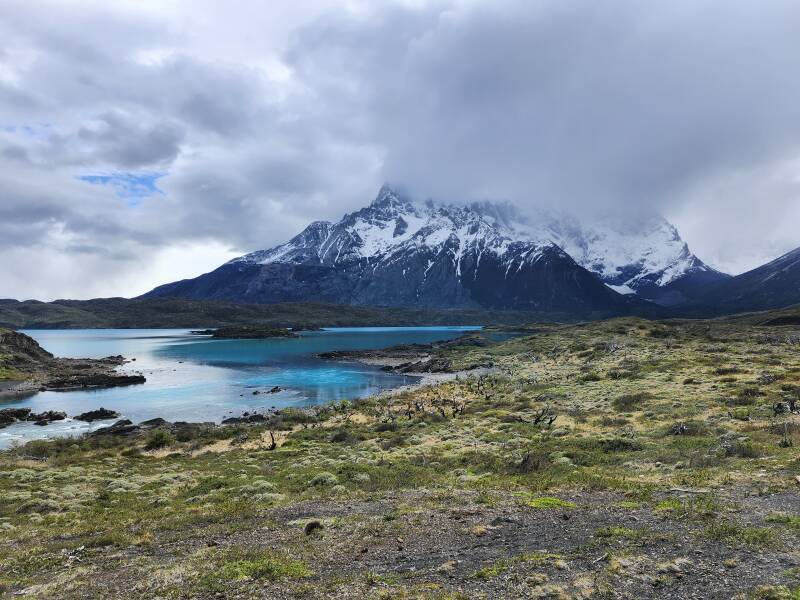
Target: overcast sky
143, 142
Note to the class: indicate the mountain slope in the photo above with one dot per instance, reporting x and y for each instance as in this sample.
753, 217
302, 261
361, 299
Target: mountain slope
395, 253
773, 285
644, 256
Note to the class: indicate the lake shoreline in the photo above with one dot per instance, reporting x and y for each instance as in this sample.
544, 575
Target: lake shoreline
172, 370
416, 360
126, 428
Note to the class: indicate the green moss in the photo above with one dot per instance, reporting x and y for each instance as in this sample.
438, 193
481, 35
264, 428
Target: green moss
734, 534
791, 521
238, 564
501, 566
775, 592
672, 504
549, 503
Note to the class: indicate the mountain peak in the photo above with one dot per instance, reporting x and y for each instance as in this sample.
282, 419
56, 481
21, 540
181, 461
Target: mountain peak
501, 212
392, 235
388, 197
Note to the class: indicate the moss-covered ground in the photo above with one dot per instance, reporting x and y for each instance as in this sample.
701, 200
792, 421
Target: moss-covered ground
617, 459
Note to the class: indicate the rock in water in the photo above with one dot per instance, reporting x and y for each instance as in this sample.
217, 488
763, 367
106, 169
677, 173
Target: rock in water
12, 415
46, 417
253, 332
97, 415
97, 380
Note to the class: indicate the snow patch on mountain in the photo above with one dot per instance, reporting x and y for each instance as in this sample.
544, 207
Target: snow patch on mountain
643, 251
628, 255
621, 289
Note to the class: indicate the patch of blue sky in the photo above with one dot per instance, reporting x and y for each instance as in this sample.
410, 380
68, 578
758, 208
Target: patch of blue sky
129, 186
29, 130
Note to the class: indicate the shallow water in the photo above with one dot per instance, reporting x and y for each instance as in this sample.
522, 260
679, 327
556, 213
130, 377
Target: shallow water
196, 378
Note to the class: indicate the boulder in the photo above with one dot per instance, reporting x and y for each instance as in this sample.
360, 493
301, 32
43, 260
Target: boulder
254, 418
123, 427
99, 380
12, 415
154, 423
46, 417
97, 415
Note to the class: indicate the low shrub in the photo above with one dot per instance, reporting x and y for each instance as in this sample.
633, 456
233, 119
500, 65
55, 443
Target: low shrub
619, 444
691, 427
727, 370
629, 402
741, 449
590, 377
388, 426
324, 479
158, 438
398, 440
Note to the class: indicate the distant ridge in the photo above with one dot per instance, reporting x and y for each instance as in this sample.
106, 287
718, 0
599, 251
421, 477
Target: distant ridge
186, 314
773, 285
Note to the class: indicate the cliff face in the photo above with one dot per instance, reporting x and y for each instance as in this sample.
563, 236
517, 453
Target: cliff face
29, 367
21, 352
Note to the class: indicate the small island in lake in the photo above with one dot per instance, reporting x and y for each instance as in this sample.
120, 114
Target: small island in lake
247, 332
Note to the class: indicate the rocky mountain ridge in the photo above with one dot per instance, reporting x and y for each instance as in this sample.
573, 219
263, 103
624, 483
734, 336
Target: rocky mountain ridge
395, 252
644, 256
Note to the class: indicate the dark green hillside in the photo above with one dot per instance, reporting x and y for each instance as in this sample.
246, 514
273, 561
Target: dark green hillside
175, 312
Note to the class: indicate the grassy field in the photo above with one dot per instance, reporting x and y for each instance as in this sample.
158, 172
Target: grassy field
617, 459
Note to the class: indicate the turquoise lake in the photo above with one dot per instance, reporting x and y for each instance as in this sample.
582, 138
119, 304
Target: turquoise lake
196, 378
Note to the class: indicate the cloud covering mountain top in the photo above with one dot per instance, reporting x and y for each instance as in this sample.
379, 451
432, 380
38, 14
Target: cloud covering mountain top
258, 118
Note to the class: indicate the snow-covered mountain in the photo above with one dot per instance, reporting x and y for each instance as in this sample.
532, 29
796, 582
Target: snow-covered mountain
644, 256
392, 228
396, 252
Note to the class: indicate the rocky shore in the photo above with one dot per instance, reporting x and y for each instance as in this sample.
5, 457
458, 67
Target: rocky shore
126, 428
414, 359
26, 367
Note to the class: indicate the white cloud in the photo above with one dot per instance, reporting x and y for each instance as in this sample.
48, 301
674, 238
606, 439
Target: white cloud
268, 115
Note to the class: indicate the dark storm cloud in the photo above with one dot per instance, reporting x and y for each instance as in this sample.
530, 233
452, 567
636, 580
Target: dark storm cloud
690, 108
619, 102
126, 142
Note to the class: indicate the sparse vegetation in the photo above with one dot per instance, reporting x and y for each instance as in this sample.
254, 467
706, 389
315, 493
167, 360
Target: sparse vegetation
549, 477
